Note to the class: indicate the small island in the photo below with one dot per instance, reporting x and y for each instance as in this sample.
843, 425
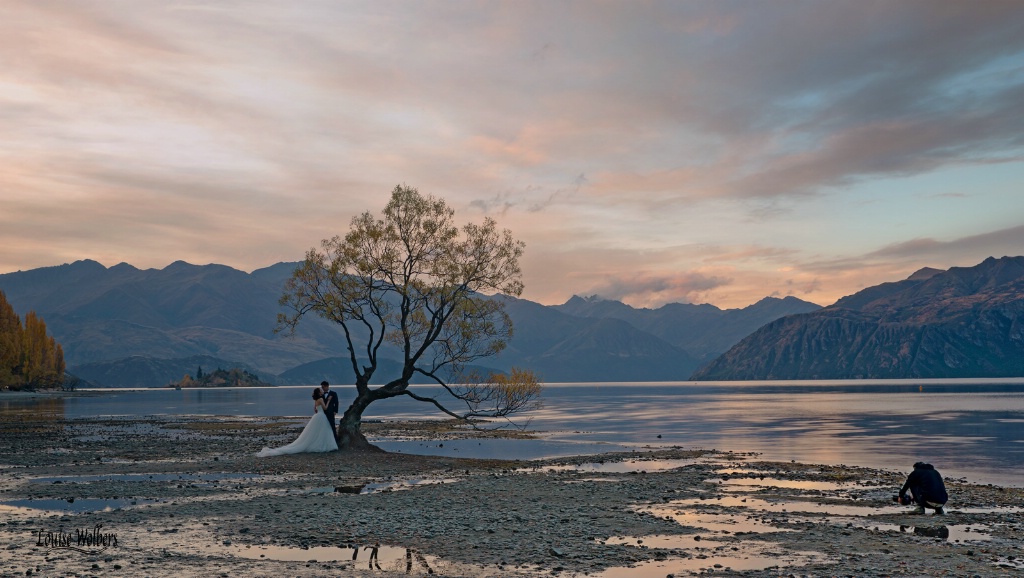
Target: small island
235, 377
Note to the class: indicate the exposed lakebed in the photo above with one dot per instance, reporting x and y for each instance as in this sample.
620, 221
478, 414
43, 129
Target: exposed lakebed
199, 502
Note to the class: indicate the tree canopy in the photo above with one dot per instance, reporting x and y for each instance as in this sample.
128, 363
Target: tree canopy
413, 285
29, 358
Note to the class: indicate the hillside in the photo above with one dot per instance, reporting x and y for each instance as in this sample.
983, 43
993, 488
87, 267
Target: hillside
964, 322
566, 348
127, 327
100, 314
704, 331
140, 371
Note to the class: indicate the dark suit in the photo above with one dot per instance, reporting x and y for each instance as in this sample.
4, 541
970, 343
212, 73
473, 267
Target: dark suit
331, 409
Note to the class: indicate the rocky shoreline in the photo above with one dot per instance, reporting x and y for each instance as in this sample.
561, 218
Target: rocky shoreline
166, 497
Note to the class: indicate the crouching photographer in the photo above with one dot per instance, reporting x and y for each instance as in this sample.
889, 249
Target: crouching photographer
925, 487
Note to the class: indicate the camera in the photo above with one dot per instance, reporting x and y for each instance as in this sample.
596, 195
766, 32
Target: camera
906, 501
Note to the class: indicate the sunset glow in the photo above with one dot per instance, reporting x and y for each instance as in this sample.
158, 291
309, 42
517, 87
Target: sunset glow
696, 151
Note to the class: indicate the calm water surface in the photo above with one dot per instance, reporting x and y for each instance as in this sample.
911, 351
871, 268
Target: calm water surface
966, 428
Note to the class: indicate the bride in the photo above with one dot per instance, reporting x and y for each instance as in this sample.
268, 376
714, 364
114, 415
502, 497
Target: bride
317, 436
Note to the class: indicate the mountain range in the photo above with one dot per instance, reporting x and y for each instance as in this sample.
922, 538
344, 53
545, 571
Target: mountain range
127, 327
963, 322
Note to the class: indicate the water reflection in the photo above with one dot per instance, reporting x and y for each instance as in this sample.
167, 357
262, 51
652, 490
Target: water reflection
618, 467
155, 477
70, 505
949, 533
26, 408
745, 484
941, 532
730, 523
786, 506
980, 423
375, 556
700, 556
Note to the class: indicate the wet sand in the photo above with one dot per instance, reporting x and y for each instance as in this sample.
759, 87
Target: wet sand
180, 497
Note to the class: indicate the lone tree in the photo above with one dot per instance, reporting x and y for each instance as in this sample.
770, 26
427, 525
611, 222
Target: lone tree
416, 285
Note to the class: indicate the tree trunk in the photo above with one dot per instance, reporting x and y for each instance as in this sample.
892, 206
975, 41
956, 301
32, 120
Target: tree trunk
350, 435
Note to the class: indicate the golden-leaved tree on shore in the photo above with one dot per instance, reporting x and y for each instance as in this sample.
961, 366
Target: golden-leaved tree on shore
413, 283
28, 356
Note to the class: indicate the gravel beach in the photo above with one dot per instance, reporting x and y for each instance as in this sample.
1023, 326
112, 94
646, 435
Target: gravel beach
186, 496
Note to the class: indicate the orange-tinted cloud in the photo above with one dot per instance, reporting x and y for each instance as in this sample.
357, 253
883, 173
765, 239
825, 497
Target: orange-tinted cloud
661, 151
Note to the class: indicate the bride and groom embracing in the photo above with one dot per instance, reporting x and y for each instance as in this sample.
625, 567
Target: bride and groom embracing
319, 433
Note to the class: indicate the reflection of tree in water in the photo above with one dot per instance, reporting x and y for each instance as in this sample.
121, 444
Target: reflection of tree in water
17, 415
419, 558
413, 560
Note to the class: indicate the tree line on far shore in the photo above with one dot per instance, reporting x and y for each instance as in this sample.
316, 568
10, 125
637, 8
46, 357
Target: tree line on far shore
29, 358
234, 377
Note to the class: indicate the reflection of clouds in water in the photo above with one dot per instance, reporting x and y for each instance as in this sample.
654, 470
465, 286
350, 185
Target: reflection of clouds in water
963, 429
961, 441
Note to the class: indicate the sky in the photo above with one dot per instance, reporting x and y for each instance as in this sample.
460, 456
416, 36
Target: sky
652, 152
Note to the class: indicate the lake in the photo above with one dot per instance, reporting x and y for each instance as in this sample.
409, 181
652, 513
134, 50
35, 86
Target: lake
966, 428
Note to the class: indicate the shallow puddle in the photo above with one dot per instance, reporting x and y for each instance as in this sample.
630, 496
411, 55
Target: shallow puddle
393, 486
718, 523
547, 445
76, 506
624, 467
949, 533
665, 541
1009, 563
384, 554
719, 558
140, 478
378, 557
736, 499
601, 480
741, 471
786, 506
1003, 510
378, 487
850, 515
744, 484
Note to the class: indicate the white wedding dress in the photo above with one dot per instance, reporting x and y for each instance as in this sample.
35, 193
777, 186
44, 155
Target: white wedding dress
315, 437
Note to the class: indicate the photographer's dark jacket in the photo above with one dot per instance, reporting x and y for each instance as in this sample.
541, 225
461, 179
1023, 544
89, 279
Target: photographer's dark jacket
926, 484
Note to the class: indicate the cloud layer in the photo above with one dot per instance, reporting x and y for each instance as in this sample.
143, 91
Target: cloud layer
709, 151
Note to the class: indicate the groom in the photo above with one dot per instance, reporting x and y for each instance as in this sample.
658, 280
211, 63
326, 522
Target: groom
331, 401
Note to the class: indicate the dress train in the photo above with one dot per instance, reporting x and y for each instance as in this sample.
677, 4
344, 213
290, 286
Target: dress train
317, 436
